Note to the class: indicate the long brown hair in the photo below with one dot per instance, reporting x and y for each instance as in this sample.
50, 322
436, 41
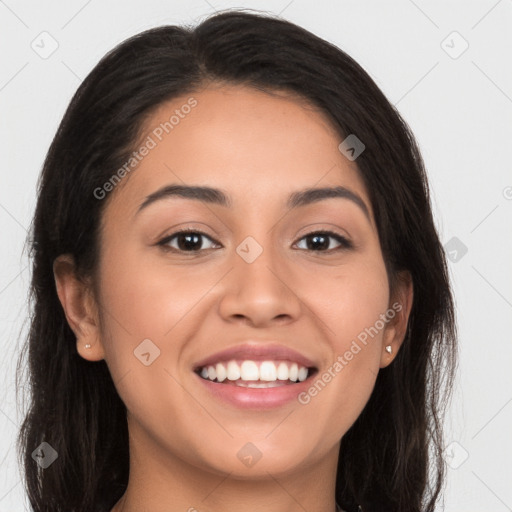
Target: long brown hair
391, 458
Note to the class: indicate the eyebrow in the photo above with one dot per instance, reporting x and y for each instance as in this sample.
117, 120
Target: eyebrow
216, 196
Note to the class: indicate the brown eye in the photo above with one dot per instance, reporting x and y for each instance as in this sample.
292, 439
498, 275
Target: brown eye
191, 241
185, 241
319, 241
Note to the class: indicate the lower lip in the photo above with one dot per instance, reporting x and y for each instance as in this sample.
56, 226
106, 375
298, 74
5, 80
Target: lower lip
256, 398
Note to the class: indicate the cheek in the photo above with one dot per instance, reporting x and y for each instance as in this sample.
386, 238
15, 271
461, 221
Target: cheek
147, 300
350, 300
144, 301
348, 304
145, 324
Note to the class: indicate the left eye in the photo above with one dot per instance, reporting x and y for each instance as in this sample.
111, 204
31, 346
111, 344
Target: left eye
321, 239
190, 241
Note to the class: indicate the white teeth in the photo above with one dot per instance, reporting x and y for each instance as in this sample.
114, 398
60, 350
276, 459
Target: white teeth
282, 371
265, 371
303, 373
274, 384
220, 369
268, 371
294, 372
249, 371
233, 371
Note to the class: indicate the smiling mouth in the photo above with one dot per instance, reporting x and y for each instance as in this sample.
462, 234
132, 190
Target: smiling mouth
256, 374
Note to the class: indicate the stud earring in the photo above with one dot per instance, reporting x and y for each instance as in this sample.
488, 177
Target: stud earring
87, 346
389, 349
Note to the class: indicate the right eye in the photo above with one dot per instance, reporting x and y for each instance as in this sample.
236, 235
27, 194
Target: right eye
186, 241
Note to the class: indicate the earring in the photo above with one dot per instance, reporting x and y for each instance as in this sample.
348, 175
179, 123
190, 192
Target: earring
87, 346
389, 349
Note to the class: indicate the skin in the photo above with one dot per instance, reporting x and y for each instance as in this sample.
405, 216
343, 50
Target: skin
258, 148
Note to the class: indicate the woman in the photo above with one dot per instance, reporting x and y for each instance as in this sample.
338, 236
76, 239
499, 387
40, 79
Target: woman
240, 297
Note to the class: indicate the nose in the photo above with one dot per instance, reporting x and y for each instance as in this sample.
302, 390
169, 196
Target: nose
260, 292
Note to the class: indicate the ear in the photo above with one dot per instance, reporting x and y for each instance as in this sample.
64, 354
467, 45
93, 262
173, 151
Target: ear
398, 314
79, 307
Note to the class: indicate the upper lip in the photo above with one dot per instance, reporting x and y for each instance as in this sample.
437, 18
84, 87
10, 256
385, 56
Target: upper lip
257, 352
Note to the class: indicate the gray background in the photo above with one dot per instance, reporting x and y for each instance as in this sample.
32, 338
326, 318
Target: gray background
458, 103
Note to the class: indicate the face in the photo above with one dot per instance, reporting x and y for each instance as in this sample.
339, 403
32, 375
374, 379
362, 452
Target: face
296, 290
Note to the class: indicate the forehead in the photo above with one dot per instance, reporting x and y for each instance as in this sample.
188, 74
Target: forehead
257, 146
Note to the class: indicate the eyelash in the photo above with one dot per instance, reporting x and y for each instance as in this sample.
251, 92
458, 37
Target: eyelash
345, 243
